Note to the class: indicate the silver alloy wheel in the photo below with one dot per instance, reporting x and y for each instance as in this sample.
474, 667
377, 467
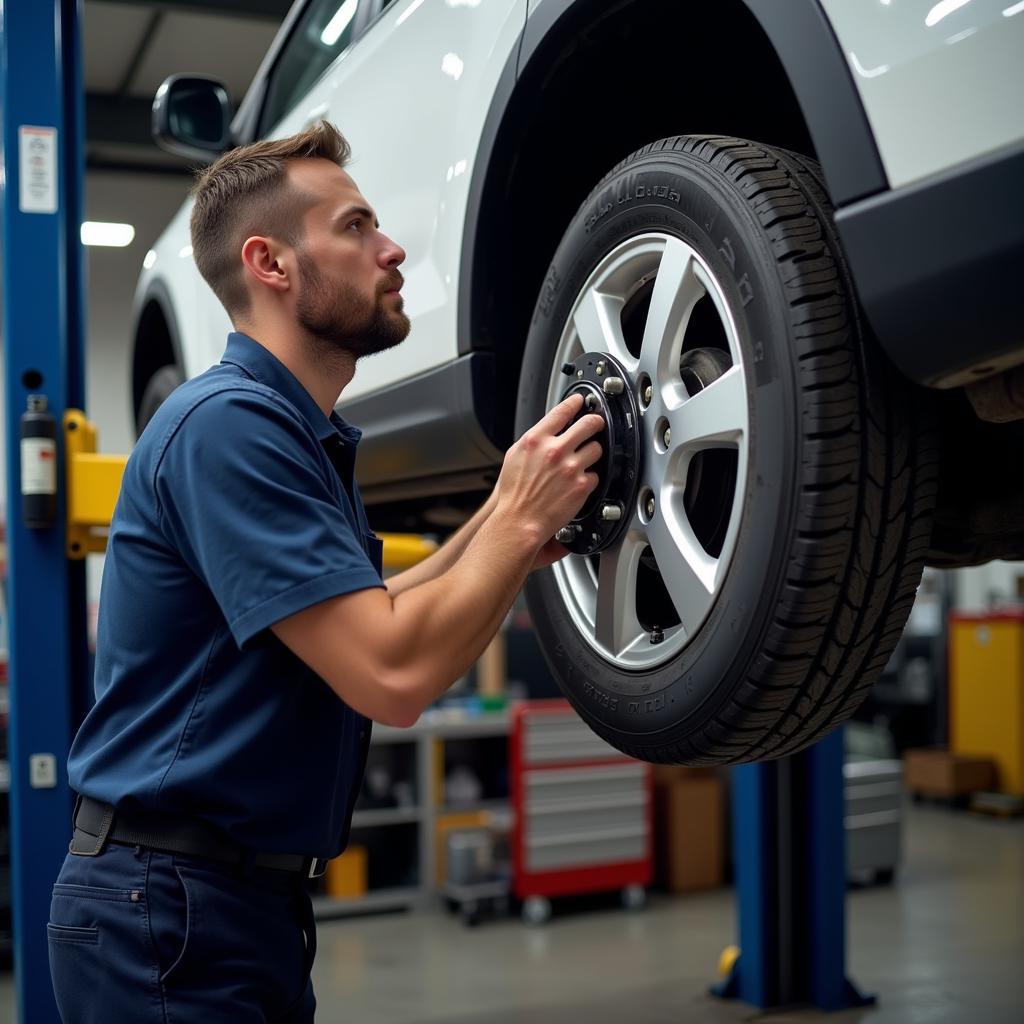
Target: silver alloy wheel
602, 599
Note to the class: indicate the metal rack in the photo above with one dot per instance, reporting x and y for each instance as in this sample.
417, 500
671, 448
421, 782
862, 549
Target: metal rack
582, 811
433, 728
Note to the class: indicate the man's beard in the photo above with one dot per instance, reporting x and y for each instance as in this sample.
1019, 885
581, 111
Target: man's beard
344, 319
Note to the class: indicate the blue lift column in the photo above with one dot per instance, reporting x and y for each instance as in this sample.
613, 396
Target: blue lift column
789, 851
41, 104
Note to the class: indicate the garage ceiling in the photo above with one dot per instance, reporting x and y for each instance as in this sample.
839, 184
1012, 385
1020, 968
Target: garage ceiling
131, 46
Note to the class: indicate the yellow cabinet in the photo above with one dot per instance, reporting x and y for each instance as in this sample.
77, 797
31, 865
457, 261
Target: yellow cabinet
986, 691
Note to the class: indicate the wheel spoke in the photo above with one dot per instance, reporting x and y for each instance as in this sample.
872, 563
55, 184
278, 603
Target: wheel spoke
616, 625
600, 593
676, 291
715, 415
598, 321
686, 569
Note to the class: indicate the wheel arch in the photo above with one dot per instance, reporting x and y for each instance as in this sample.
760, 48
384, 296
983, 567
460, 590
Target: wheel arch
156, 341
762, 70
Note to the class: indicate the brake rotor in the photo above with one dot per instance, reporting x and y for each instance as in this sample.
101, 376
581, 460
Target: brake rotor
607, 390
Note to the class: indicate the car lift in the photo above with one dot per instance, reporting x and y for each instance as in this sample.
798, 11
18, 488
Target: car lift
789, 832
789, 853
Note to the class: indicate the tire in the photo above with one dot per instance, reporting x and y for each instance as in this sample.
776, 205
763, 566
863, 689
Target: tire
790, 515
158, 389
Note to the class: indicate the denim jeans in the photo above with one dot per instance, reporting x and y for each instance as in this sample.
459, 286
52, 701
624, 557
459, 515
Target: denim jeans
139, 936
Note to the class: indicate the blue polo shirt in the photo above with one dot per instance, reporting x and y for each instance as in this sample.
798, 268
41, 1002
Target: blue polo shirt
238, 508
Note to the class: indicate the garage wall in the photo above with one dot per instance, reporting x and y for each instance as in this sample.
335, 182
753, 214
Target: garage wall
985, 586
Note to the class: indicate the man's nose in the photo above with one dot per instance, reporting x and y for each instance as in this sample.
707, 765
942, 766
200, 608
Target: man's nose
391, 254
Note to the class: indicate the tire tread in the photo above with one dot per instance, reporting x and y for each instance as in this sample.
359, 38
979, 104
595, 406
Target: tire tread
863, 515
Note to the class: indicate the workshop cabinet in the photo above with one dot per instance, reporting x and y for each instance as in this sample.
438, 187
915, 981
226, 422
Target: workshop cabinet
986, 691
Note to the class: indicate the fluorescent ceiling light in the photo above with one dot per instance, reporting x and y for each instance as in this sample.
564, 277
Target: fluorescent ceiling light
98, 232
342, 16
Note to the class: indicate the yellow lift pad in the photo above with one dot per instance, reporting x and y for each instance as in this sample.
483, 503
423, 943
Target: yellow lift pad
94, 482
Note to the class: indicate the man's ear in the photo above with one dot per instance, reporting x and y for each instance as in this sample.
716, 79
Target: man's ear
267, 261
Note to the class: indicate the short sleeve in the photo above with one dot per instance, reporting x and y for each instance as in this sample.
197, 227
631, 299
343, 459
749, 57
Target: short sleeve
245, 497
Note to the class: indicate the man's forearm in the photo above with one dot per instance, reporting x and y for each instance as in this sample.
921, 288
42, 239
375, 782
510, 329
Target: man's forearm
440, 628
445, 557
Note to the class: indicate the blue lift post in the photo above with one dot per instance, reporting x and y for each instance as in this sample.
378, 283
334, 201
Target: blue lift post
789, 840
42, 105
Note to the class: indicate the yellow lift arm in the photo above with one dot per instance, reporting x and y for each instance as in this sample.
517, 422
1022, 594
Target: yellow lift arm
94, 482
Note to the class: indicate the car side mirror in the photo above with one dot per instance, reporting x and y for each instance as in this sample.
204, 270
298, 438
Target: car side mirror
192, 117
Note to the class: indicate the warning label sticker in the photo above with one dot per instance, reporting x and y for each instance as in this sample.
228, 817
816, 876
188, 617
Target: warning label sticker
37, 150
38, 465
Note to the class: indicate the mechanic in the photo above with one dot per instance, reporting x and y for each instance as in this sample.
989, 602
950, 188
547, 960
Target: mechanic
246, 639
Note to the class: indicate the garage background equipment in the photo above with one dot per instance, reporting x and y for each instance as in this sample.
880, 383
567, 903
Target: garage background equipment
582, 811
789, 851
43, 331
986, 691
874, 818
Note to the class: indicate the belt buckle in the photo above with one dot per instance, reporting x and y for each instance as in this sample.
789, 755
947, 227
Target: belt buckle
317, 867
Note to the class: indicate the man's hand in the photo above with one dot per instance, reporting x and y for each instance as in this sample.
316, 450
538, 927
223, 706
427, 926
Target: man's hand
544, 479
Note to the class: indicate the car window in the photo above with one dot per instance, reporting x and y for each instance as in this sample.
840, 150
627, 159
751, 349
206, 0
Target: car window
323, 32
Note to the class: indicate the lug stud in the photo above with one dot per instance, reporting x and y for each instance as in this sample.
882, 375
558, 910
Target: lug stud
566, 535
610, 512
600, 368
648, 394
649, 508
613, 385
591, 403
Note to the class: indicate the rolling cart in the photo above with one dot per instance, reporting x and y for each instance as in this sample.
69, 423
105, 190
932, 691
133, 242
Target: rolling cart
582, 812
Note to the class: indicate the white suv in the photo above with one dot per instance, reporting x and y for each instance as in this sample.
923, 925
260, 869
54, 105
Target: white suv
809, 349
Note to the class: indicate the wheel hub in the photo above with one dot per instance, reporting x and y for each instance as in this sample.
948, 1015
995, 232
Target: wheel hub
608, 390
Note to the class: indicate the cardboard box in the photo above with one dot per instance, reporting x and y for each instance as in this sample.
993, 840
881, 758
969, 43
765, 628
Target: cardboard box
689, 828
945, 774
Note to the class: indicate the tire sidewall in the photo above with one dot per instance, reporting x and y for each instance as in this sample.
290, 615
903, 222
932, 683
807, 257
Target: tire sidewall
158, 390
681, 195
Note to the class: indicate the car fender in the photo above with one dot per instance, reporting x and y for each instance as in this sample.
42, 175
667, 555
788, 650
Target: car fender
808, 50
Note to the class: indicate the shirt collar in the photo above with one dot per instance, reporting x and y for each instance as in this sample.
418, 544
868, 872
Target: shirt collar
262, 365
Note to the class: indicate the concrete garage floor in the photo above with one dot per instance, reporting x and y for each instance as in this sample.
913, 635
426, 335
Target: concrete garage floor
942, 946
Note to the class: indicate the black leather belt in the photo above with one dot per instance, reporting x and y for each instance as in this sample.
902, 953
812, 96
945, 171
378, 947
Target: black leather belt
98, 823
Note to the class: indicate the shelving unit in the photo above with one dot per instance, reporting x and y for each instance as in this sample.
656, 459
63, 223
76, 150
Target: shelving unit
425, 753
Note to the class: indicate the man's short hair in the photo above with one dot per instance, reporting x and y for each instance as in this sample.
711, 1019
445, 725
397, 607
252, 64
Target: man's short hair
247, 192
